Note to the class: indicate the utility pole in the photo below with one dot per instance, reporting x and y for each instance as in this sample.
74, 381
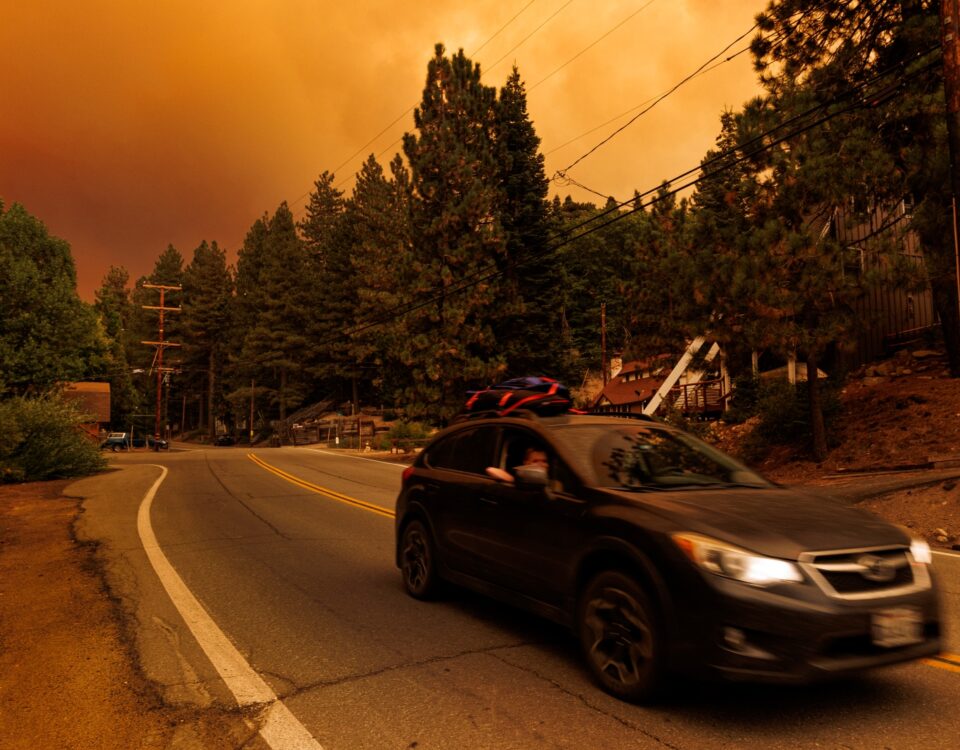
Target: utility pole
160, 344
252, 392
950, 44
603, 340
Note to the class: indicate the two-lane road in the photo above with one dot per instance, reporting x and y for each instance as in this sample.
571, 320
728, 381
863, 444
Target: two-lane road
301, 580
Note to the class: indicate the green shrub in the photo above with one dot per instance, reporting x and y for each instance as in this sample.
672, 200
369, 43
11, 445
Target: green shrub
41, 438
407, 431
745, 401
784, 414
688, 423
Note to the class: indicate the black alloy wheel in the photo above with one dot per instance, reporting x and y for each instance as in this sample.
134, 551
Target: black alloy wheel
417, 561
620, 637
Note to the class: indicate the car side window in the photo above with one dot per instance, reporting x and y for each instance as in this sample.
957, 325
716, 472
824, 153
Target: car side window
470, 451
518, 447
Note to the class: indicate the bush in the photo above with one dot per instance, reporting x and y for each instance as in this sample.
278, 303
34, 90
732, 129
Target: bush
745, 401
784, 414
407, 431
403, 435
41, 438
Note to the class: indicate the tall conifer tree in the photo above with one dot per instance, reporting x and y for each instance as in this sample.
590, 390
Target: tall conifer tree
206, 317
456, 234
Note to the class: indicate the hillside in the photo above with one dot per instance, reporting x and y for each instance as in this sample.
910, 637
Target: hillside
895, 415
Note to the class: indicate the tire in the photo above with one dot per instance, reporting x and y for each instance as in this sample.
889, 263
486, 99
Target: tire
621, 637
418, 562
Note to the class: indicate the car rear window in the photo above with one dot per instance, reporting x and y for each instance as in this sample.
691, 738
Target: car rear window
470, 451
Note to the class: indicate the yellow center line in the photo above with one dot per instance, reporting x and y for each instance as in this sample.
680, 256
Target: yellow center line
331, 494
947, 661
943, 662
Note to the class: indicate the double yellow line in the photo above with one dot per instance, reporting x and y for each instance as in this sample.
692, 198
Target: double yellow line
333, 495
950, 662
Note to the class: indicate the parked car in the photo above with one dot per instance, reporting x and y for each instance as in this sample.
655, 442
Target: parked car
148, 442
224, 440
661, 553
116, 441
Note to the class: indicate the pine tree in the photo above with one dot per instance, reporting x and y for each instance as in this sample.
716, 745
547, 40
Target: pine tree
378, 213
456, 235
206, 316
47, 334
838, 45
528, 325
276, 347
116, 312
779, 280
328, 244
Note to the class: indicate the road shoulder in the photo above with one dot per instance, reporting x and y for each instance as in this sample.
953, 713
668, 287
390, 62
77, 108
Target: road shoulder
69, 671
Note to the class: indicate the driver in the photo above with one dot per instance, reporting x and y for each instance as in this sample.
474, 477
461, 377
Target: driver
533, 456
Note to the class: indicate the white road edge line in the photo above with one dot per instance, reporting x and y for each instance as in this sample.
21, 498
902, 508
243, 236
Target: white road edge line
280, 729
358, 458
945, 553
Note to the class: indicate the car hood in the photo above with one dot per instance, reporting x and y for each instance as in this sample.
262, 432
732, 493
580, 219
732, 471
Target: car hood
779, 522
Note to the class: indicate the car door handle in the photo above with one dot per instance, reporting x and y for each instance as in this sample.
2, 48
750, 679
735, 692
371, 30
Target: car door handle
489, 500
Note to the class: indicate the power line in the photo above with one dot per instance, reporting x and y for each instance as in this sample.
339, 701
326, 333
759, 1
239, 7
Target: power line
643, 103
523, 41
491, 271
654, 103
593, 43
497, 32
486, 70
407, 111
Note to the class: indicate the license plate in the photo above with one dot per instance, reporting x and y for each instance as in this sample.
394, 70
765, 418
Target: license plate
899, 626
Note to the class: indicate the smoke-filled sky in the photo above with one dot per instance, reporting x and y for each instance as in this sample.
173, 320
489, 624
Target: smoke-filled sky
128, 126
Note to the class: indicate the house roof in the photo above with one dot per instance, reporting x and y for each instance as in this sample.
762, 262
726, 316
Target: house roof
619, 393
634, 365
92, 399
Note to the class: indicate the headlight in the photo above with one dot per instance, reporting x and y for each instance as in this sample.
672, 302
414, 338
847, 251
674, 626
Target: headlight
724, 559
920, 551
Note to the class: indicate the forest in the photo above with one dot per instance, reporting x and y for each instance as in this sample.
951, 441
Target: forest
451, 267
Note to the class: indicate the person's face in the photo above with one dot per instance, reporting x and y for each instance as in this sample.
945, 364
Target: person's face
536, 458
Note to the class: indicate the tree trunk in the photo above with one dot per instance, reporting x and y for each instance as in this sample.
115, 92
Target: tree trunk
945, 292
202, 419
944, 288
818, 430
283, 394
211, 411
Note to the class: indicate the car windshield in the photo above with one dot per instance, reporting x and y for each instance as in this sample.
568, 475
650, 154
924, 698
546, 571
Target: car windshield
642, 458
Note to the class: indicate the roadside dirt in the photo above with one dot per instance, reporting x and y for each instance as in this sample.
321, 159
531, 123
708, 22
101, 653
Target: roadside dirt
68, 670
893, 414
68, 674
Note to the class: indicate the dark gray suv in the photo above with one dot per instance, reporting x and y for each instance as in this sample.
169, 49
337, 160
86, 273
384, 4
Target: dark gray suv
661, 553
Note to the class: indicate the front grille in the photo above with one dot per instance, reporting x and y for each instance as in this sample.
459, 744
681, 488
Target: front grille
864, 573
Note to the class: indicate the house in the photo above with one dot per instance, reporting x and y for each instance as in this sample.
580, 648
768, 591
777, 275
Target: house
93, 401
631, 386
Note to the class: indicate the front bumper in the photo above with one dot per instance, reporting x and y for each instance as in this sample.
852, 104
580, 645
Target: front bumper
767, 636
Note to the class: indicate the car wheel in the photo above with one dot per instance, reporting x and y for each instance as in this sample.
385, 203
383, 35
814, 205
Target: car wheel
620, 637
418, 562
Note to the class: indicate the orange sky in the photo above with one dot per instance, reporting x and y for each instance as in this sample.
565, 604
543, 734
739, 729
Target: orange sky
129, 126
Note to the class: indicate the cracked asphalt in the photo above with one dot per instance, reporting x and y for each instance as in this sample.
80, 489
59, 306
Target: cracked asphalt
306, 589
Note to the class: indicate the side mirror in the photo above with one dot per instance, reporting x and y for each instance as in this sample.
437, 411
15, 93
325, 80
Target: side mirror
532, 476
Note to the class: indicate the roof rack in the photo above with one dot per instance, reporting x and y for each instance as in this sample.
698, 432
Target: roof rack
493, 414
625, 415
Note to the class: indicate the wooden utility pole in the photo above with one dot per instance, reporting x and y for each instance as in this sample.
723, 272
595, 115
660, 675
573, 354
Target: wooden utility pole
252, 392
950, 44
160, 344
603, 340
